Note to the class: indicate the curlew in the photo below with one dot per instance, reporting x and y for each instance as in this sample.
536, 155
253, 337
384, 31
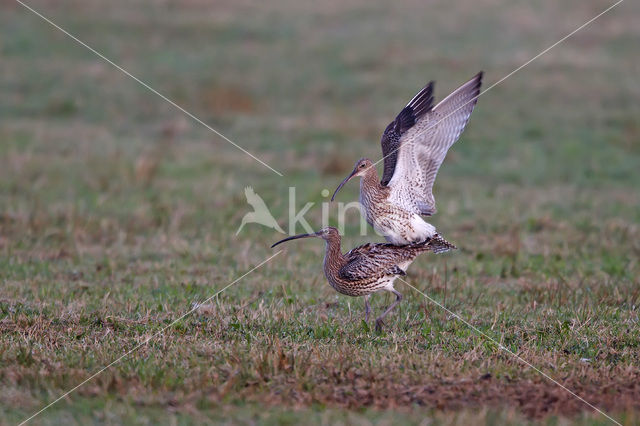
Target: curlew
414, 146
369, 268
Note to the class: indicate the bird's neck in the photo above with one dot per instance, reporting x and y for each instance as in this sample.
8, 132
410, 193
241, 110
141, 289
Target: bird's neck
333, 258
369, 183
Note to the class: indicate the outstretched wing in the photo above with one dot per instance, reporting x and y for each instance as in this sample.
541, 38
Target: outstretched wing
424, 147
410, 114
372, 261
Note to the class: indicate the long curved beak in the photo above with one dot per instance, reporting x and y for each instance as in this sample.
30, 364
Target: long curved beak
295, 237
343, 183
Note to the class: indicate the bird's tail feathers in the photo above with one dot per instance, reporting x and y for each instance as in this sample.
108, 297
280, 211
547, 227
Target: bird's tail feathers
437, 244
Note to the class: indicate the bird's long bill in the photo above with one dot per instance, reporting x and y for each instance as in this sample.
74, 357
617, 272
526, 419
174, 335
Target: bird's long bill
295, 237
343, 183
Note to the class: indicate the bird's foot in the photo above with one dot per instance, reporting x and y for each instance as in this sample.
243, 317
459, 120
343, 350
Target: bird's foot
379, 324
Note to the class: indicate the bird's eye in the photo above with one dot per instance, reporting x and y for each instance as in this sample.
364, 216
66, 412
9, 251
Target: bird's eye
361, 166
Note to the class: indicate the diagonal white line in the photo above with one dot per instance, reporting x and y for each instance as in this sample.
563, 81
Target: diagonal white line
512, 73
518, 357
135, 348
145, 85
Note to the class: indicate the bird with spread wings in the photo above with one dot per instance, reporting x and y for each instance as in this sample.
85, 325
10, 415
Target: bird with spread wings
414, 146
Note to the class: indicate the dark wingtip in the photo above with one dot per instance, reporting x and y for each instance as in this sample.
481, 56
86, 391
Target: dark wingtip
478, 83
422, 102
479, 78
418, 106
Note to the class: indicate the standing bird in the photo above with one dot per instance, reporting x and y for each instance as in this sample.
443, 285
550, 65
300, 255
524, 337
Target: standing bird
368, 268
414, 146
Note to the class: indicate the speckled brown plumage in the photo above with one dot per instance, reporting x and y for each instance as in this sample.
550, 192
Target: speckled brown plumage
368, 268
414, 146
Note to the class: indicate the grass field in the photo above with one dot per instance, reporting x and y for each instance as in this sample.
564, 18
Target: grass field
118, 212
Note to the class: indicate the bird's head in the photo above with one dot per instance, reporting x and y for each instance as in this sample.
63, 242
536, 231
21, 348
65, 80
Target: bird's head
325, 233
362, 166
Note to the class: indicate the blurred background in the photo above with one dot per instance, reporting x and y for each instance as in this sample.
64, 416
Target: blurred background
112, 200
308, 88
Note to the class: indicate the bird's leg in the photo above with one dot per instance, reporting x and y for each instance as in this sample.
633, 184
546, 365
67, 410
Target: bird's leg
379, 322
367, 308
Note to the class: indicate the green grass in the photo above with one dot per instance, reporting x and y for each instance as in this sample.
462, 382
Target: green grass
117, 213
